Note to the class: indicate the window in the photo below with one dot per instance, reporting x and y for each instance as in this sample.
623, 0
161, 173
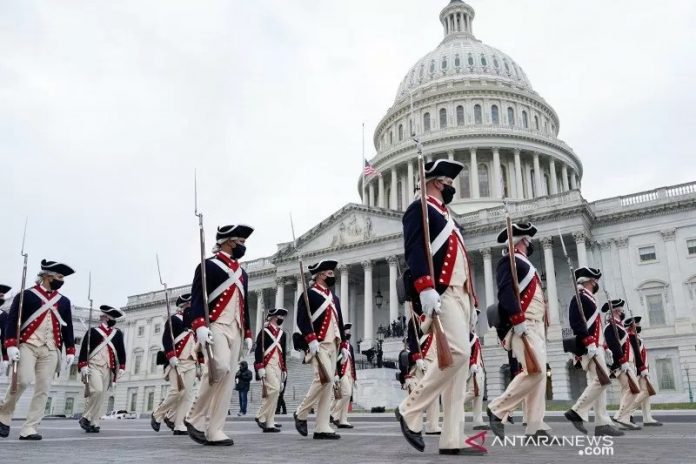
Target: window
483, 61
153, 361
138, 362
141, 331
426, 122
443, 118
525, 122
444, 63
511, 117
69, 405
647, 254
48, 407
470, 60
656, 309
422, 69
460, 122
484, 187
495, 63
410, 127
401, 132
134, 400
532, 183
432, 66
158, 328
457, 61
150, 401
477, 114
464, 184
391, 138
495, 118
536, 122
665, 374
547, 184
691, 247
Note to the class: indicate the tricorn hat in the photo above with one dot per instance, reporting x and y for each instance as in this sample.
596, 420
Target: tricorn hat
113, 313
326, 265
233, 231
442, 168
519, 230
584, 274
56, 267
631, 320
5, 288
616, 304
347, 326
183, 299
281, 312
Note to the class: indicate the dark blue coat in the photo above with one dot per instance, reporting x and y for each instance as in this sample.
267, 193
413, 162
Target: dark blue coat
620, 351
3, 320
510, 309
584, 336
95, 339
178, 326
413, 337
316, 330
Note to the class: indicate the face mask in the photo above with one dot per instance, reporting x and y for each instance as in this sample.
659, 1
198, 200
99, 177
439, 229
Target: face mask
638, 329
238, 251
55, 284
347, 336
595, 287
530, 248
330, 281
448, 194
110, 323
279, 321
2, 301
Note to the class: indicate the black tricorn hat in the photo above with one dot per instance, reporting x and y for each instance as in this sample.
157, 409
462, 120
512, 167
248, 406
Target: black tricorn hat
587, 273
114, 313
326, 265
631, 320
616, 304
233, 231
347, 326
282, 312
183, 299
521, 229
55, 266
5, 288
442, 168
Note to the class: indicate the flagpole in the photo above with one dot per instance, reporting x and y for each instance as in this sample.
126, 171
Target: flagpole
362, 165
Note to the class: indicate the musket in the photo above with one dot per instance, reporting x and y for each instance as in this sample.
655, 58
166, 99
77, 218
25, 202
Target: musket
531, 363
212, 368
85, 379
323, 374
179, 380
602, 375
632, 384
25, 255
264, 390
444, 353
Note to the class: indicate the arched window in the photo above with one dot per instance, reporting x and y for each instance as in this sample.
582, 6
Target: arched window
547, 184
401, 132
483, 61
138, 363
464, 184
495, 63
410, 128
511, 116
536, 122
422, 69
444, 62
470, 60
495, 118
525, 121
653, 296
399, 199
457, 61
443, 118
391, 138
460, 115
478, 119
484, 185
503, 175
532, 183
432, 66
426, 122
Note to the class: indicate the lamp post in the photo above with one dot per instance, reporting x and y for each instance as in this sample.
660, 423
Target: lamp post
380, 341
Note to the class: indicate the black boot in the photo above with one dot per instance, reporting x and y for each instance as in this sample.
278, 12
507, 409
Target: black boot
414, 439
300, 425
576, 420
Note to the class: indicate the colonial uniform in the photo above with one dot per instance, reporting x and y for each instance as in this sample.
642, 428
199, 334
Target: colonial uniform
531, 310
325, 327
618, 342
45, 327
228, 308
179, 399
423, 347
345, 370
104, 358
590, 334
453, 283
643, 398
269, 360
476, 381
4, 289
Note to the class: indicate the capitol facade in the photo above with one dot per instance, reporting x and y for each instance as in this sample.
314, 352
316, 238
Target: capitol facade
469, 102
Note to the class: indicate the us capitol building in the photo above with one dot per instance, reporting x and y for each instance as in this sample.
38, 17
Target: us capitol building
472, 103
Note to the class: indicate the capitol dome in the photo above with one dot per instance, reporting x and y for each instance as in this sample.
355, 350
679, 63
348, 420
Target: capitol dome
470, 102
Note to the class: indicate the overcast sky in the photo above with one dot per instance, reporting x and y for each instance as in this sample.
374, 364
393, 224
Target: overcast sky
106, 109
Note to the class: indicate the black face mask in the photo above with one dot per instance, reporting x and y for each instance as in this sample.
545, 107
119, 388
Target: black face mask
55, 284
530, 248
595, 287
238, 251
279, 321
330, 281
448, 194
347, 336
2, 301
638, 329
110, 323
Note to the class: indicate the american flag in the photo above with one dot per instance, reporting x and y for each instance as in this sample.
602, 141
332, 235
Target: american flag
369, 170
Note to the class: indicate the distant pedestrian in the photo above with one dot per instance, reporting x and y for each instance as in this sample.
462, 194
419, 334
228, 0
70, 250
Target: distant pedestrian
242, 380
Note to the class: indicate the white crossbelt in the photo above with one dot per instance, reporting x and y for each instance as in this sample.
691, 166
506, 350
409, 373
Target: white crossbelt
48, 305
234, 279
183, 334
106, 341
423, 339
276, 342
328, 300
524, 283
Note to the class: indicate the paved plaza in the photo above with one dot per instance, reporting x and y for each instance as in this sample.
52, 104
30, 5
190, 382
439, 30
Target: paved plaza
375, 439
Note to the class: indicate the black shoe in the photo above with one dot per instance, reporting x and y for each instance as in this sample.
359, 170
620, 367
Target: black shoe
4, 430
93, 429
344, 426
608, 431
153, 423
262, 425
169, 423
481, 427
439, 432
626, 425
271, 430
84, 424
225, 442
326, 436
630, 419
300, 425
414, 439
645, 424
278, 426
332, 420
180, 432
463, 451
33, 437
195, 434
496, 424
576, 420
511, 420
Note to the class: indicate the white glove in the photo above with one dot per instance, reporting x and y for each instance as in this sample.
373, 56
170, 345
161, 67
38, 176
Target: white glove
420, 364
409, 384
13, 353
337, 379
262, 373
473, 369
173, 361
120, 373
520, 329
591, 350
204, 336
84, 372
473, 322
69, 358
313, 347
625, 367
430, 301
609, 357
346, 355
645, 374
248, 342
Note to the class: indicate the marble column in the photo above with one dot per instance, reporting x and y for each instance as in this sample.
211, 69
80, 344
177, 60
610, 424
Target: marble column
371, 194
518, 176
393, 297
280, 292
404, 194
497, 177
551, 289
564, 178
531, 193
259, 310
381, 201
474, 174
345, 273
393, 203
553, 180
488, 277
680, 304
410, 183
537, 176
573, 181
582, 249
352, 310
368, 330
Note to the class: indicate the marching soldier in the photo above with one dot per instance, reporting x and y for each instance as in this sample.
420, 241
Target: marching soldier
46, 327
643, 398
345, 378
101, 364
528, 319
476, 381
325, 336
269, 362
590, 337
181, 357
229, 327
616, 337
4, 361
450, 297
